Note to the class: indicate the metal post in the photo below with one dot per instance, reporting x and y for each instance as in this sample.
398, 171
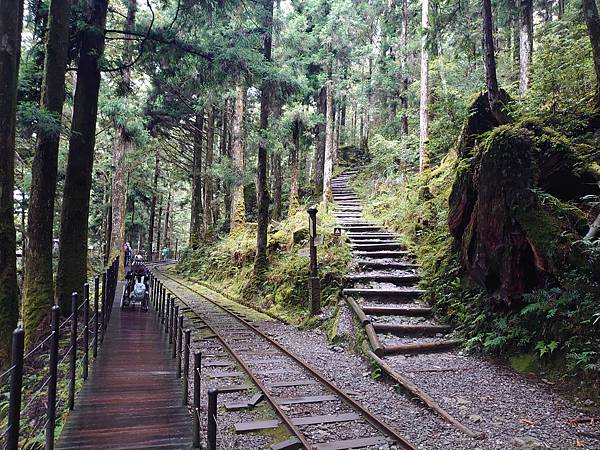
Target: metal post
172, 322
53, 378
96, 287
73, 357
186, 364
103, 312
196, 422
175, 330
168, 307
179, 344
314, 290
211, 432
16, 384
163, 299
86, 329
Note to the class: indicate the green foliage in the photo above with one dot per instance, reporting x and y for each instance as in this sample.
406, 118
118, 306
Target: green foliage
227, 265
559, 324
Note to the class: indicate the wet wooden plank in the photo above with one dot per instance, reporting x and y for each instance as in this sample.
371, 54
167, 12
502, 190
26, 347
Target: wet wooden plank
289, 444
247, 427
307, 399
131, 399
291, 383
350, 443
327, 418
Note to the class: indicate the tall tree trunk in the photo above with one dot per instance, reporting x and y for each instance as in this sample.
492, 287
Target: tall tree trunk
260, 261
11, 13
153, 210
525, 43
276, 167
404, 69
167, 217
158, 228
561, 9
496, 105
328, 168
226, 153
424, 96
38, 290
208, 178
590, 11
320, 143
238, 208
122, 148
72, 261
196, 216
294, 202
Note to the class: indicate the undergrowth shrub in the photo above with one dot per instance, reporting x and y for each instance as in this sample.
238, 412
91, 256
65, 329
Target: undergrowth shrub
227, 264
560, 324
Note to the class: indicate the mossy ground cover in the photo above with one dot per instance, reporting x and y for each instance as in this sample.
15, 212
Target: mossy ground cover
226, 265
558, 324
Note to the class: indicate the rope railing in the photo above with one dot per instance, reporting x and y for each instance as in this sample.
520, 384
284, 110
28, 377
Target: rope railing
21, 428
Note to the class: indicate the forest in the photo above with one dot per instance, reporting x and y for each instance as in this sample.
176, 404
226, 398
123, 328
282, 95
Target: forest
203, 130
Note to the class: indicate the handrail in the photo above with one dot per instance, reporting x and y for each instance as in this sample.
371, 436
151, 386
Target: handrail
96, 326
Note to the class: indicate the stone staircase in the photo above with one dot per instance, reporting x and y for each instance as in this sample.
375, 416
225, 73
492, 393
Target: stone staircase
382, 286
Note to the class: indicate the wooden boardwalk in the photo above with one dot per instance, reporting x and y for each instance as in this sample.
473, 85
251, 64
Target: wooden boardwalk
132, 399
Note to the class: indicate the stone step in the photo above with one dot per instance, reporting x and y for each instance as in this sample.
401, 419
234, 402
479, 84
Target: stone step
374, 264
366, 235
419, 311
395, 294
426, 347
410, 330
377, 246
381, 253
384, 278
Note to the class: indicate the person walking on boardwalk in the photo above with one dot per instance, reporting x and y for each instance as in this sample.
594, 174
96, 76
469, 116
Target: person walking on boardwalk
127, 253
165, 253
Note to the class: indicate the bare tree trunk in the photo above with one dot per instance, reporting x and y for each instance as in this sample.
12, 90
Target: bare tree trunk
496, 105
208, 178
38, 289
196, 206
277, 186
561, 9
525, 43
226, 153
424, 96
328, 169
404, 69
122, 147
320, 143
158, 227
153, 210
260, 262
238, 208
11, 13
72, 261
167, 217
294, 203
590, 11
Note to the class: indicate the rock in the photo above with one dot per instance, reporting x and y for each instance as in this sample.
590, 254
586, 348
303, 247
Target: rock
475, 418
528, 443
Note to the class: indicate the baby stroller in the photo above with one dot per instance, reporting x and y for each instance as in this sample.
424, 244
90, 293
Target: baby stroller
136, 289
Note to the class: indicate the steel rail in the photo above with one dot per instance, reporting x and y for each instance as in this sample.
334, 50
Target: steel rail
368, 415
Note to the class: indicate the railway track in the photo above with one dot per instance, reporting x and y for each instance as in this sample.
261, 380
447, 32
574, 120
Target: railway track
305, 400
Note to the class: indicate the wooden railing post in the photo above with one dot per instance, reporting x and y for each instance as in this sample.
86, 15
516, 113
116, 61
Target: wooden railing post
86, 329
96, 309
53, 378
16, 385
73, 352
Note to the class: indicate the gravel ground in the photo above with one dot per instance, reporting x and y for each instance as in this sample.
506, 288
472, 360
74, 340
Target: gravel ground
512, 411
